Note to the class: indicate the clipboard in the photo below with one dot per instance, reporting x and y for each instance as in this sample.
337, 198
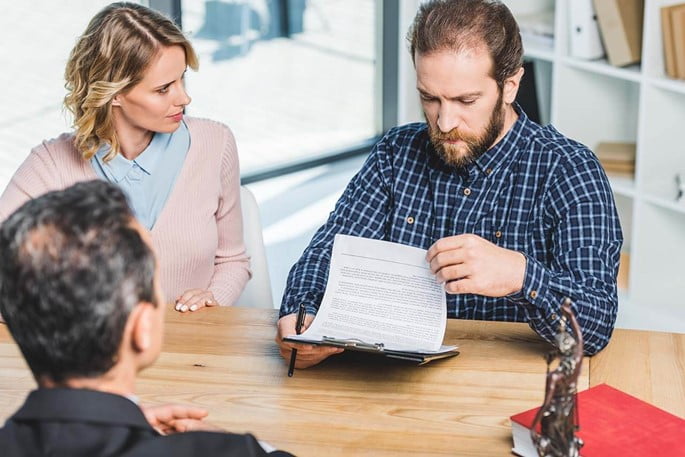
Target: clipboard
354, 344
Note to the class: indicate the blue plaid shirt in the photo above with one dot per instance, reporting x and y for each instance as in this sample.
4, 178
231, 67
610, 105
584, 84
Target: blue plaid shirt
535, 191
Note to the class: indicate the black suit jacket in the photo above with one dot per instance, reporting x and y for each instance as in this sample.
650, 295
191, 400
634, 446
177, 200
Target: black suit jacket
75, 423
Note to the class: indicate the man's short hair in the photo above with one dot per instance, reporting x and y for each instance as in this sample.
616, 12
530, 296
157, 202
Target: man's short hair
458, 25
73, 267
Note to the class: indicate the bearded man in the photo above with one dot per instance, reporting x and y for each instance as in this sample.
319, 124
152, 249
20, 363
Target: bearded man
515, 216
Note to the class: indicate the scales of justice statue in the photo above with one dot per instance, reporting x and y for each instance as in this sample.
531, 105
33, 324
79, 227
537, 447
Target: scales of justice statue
558, 415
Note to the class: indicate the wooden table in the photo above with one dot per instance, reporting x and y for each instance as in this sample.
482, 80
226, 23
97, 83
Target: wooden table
225, 359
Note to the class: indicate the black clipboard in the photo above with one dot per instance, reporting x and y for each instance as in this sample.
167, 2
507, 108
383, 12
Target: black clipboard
354, 344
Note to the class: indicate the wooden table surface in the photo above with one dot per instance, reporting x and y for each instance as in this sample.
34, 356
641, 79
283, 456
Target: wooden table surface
225, 359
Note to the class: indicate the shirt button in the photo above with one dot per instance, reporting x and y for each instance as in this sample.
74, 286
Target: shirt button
554, 316
533, 294
410, 220
498, 234
488, 171
467, 191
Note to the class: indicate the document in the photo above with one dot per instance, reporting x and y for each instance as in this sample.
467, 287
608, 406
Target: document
381, 297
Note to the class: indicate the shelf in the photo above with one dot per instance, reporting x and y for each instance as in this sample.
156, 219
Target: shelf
593, 107
602, 67
674, 85
592, 101
622, 185
665, 203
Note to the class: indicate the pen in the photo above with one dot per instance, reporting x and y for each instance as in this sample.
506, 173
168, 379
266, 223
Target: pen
298, 328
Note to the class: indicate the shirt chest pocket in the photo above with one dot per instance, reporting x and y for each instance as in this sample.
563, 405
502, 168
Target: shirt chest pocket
509, 220
412, 225
504, 233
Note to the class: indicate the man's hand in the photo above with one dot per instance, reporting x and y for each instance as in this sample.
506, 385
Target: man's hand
469, 264
307, 354
169, 419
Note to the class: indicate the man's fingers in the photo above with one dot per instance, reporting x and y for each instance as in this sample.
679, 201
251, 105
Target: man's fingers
322, 351
444, 244
309, 350
301, 347
164, 414
452, 272
307, 354
461, 286
313, 359
447, 258
316, 354
187, 425
190, 412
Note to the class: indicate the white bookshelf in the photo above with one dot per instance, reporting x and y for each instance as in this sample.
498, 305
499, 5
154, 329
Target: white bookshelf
592, 101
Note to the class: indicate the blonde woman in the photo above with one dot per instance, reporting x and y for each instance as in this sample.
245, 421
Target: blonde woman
125, 87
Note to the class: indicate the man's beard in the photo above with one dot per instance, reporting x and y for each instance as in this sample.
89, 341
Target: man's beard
475, 145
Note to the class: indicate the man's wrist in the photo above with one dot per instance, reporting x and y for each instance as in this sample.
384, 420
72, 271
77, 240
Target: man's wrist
519, 272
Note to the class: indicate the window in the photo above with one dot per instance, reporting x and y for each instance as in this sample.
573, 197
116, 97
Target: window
35, 49
294, 79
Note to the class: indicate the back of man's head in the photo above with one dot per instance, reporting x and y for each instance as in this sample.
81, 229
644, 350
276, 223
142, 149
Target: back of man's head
73, 267
463, 25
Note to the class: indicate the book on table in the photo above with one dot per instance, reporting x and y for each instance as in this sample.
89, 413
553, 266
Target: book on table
613, 424
381, 297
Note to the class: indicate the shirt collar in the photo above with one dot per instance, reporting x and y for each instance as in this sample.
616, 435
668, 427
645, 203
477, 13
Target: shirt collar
147, 161
118, 167
503, 152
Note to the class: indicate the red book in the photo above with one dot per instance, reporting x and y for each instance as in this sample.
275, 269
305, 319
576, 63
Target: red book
613, 424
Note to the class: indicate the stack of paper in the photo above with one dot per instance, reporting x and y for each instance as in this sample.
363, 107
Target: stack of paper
381, 297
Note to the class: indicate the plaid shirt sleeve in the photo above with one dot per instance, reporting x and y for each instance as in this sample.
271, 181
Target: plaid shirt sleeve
583, 255
362, 210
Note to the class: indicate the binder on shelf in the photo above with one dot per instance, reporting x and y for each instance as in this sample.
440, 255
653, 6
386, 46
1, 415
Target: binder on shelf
668, 39
586, 42
620, 24
678, 24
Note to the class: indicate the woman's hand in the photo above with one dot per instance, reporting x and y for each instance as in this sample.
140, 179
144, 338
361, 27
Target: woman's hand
194, 299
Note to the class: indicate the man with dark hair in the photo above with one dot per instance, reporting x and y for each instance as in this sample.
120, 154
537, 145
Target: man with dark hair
79, 292
514, 216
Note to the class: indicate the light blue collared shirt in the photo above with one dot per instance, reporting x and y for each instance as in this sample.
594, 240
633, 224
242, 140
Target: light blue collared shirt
147, 180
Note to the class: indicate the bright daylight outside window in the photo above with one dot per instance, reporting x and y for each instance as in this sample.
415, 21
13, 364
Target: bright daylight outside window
293, 79
37, 37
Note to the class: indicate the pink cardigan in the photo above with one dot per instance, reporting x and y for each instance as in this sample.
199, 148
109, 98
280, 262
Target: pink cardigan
198, 236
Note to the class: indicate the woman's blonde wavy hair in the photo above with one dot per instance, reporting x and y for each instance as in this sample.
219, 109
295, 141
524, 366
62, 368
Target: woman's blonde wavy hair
110, 58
